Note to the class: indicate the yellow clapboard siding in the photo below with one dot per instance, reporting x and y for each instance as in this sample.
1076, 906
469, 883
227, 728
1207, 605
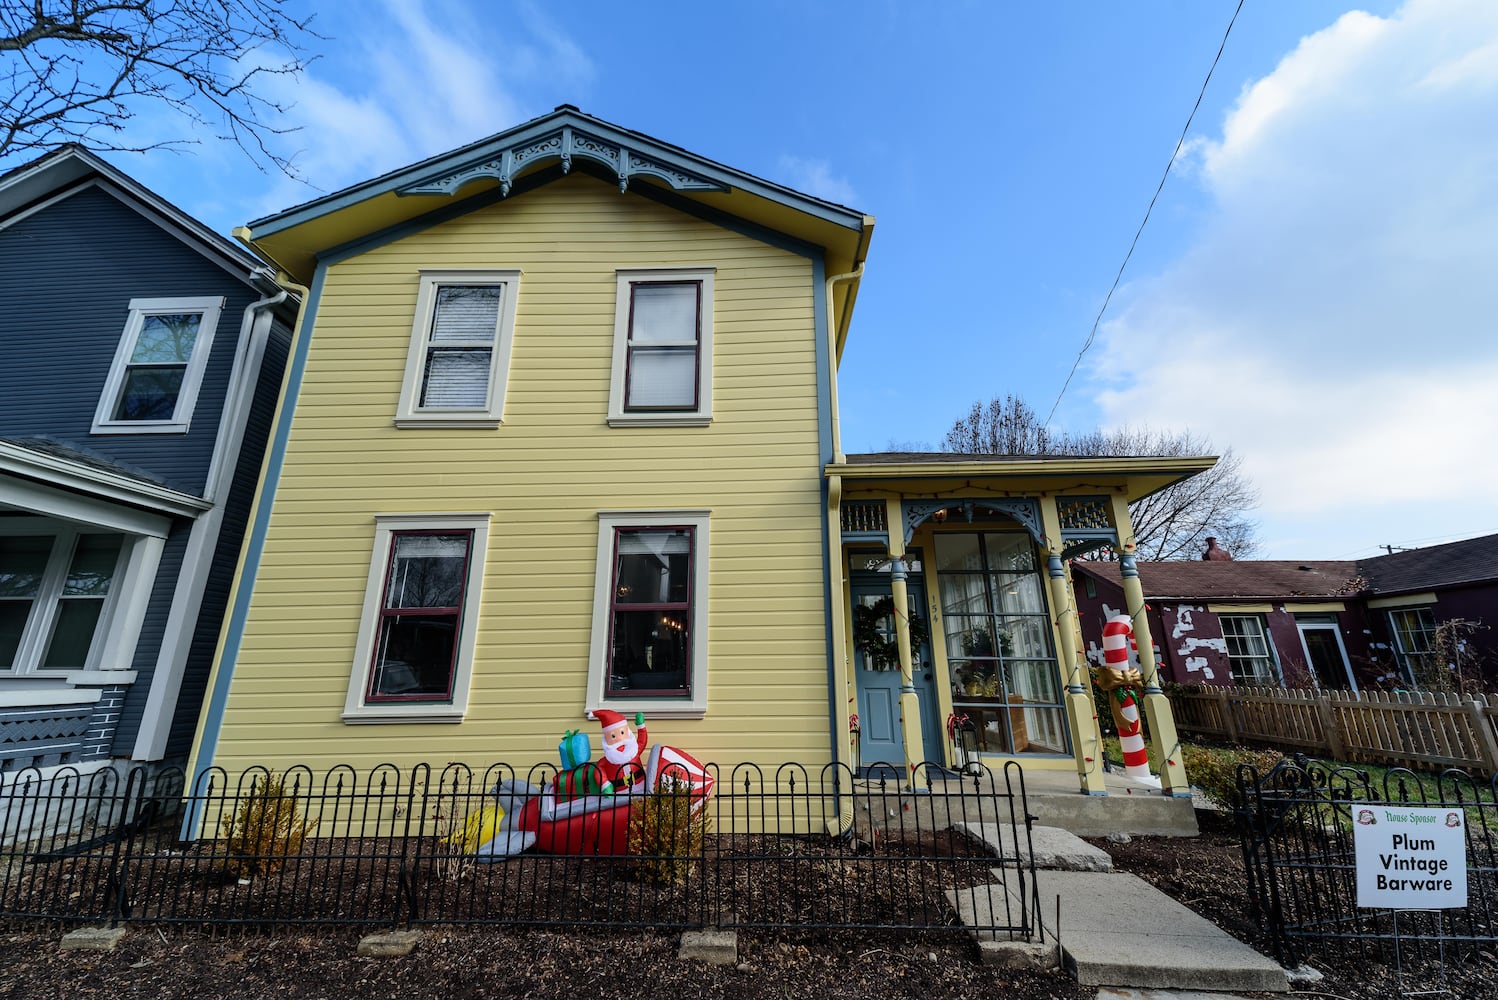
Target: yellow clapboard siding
544, 475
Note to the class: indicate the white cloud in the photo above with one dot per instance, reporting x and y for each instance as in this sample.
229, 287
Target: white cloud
414, 80
1334, 322
815, 177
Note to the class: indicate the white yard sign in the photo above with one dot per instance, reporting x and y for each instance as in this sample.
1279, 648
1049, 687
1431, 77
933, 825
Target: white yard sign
1408, 858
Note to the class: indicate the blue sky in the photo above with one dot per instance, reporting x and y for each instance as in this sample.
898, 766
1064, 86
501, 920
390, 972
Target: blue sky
1313, 288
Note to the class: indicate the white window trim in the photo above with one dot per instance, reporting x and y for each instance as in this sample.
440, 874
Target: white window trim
694, 706
355, 709
703, 414
410, 413
112, 648
1276, 675
192, 378
1405, 658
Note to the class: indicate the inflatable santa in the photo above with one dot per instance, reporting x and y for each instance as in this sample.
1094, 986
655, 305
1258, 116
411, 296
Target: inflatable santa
623, 749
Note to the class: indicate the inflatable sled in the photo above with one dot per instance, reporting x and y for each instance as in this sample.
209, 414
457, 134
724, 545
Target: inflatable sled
594, 824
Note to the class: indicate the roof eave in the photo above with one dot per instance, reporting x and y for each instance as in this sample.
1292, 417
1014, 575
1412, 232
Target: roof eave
406, 194
1134, 477
62, 168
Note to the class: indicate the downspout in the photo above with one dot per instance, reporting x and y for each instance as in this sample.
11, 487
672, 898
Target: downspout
202, 541
837, 684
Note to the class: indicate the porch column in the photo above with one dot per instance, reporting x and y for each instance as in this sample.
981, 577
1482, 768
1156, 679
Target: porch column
1081, 710
910, 705
1157, 714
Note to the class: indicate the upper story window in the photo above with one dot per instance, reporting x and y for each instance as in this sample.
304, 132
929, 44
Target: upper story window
158, 367
663, 348
1249, 656
459, 357
414, 653
56, 588
1414, 632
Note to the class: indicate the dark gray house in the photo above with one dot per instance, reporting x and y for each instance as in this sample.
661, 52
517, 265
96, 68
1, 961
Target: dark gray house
140, 364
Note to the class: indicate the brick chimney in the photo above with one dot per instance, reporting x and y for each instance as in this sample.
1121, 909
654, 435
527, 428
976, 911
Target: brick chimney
1215, 552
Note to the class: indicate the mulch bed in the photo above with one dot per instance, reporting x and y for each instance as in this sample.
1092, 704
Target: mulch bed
789, 875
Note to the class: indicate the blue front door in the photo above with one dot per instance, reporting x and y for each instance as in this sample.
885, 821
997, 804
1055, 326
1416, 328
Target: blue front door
877, 676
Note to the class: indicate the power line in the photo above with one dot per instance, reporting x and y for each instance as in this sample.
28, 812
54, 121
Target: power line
1092, 335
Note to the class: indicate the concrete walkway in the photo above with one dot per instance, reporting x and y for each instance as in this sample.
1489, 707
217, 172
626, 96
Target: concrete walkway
1118, 930
1114, 929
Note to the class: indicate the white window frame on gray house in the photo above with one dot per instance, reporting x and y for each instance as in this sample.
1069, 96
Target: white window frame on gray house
136, 356
447, 383
111, 652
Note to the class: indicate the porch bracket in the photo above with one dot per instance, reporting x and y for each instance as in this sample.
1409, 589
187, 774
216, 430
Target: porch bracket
1077, 542
1023, 509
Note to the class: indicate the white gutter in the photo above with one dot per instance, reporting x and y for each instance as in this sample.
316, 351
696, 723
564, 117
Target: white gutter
202, 543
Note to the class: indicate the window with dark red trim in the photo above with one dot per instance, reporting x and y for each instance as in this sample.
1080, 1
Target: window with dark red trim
663, 355
421, 614
650, 613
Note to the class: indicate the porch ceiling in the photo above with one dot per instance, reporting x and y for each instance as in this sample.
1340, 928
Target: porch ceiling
949, 474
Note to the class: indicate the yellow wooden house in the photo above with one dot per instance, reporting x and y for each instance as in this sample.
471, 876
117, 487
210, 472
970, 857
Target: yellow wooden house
559, 433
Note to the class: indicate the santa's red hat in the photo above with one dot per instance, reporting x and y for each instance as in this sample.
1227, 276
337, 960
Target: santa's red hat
607, 718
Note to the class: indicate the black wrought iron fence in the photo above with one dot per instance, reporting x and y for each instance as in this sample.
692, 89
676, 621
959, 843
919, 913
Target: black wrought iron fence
1296, 825
781, 847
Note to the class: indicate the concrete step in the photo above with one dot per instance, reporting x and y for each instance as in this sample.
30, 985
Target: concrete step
1139, 813
1118, 930
1050, 846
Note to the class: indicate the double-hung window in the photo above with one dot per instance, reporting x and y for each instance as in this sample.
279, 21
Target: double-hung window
1414, 632
158, 366
56, 589
1250, 658
414, 654
649, 643
459, 357
663, 353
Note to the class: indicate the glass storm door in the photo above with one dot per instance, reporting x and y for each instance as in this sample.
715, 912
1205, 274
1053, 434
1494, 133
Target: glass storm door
1325, 656
877, 676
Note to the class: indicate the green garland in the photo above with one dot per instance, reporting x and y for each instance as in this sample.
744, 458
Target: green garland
884, 654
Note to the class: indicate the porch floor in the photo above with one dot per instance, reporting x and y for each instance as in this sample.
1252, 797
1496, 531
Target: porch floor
1053, 798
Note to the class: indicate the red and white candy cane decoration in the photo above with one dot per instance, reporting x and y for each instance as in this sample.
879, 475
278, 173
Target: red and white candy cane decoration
1118, 640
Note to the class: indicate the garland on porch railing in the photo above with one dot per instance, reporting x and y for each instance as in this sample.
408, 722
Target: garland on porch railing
868, 634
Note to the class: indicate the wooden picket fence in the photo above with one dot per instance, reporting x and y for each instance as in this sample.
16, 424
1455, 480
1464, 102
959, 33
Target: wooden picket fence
1416, 729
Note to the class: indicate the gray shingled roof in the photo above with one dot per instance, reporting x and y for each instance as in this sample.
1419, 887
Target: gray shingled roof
1472, 560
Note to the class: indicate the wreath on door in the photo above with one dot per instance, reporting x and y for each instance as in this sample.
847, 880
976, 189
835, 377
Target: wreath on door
868, 636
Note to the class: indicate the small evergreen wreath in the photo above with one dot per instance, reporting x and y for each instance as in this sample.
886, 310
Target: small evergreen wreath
884, 654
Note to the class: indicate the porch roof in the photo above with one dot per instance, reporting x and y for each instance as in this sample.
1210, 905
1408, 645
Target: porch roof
1135, 476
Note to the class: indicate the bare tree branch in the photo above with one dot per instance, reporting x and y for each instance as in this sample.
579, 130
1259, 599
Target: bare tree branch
1171, 524
80, 70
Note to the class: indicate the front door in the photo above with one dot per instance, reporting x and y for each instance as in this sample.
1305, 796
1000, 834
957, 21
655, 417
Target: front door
877, 675
1325, 656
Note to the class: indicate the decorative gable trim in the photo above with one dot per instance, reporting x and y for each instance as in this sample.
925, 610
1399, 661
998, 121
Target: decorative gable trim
563, 145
